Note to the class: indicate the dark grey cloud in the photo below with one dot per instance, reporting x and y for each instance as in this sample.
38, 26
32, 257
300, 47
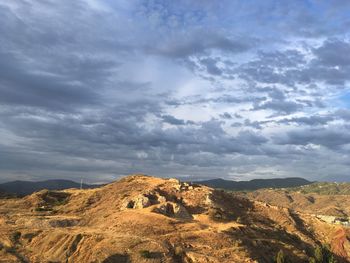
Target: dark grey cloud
333, 137
211, 66
226, 115
254, 124
311, 120
280, 106
19, 85
333, 52
172, 120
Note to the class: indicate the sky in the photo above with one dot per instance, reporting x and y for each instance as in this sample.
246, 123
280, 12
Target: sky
98, 89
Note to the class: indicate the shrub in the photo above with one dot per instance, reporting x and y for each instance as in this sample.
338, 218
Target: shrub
318, 254
331, 259
239, 220
10, 250
178, 254
43, 209
323, 254
178, 251
312, 260
16, 236
238, 242
280, 257
145, 254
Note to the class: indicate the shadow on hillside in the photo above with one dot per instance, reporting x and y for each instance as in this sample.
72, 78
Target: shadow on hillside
299, 224
117, 258
14, 252
269, 242
263, 238
228, 207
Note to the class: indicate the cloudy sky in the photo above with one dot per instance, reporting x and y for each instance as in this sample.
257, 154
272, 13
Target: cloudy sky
198, 89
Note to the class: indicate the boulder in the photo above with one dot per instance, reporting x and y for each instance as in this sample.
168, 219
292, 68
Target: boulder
140, 201
161, 199
181, 212
173, 210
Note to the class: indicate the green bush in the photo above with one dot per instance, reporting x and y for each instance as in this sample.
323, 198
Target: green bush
145, 254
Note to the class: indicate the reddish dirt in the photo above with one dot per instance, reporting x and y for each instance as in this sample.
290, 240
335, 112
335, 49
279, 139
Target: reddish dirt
338, 242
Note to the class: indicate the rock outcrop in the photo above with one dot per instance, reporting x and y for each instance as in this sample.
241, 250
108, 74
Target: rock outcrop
173, 210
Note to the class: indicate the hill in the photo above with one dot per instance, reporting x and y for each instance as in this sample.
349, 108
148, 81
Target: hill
321, 198
147, 219
255, 184
324, 188
308, 199
22, 188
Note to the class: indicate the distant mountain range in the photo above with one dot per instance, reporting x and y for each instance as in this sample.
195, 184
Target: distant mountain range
22, 188
255, 184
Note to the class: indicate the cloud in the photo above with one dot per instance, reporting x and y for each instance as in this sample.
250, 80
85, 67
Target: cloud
226, 115
100, 89
331, 53
333, 137
22, 86
281, 106
211, 67
311, 120
197, 43
172, 120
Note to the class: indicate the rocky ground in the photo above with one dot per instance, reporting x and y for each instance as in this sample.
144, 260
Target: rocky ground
147, 219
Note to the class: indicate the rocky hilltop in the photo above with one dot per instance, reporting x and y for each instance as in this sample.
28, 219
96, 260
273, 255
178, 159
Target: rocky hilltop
147, 219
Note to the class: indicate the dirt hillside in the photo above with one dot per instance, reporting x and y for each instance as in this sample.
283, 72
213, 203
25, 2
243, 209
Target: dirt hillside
312, 203
147, 219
